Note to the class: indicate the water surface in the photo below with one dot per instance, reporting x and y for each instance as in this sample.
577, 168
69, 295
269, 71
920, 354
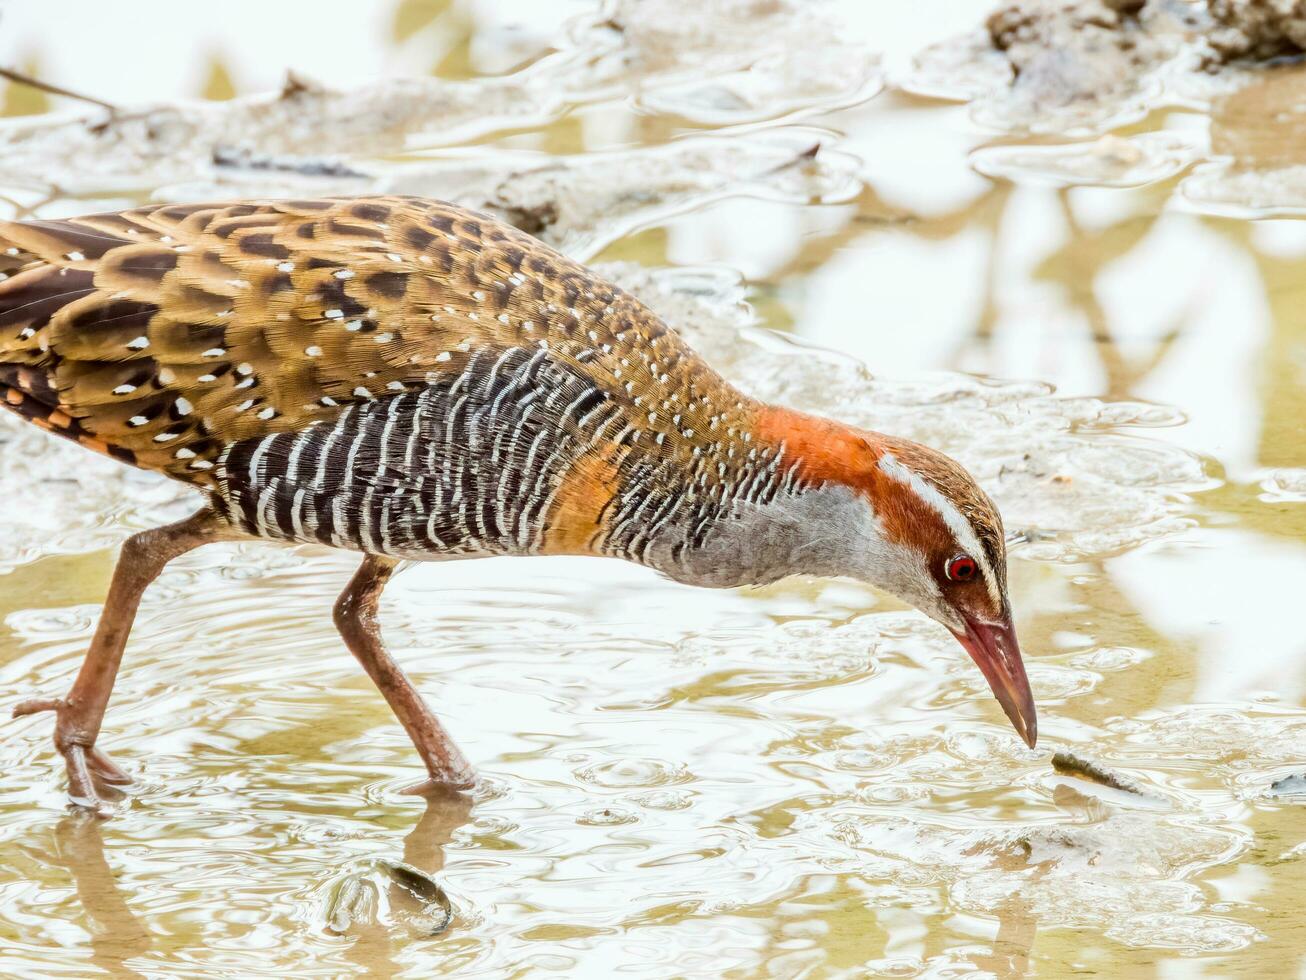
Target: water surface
801, 780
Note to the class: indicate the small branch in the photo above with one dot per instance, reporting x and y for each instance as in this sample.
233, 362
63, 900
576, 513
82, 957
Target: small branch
21, 79
801, 159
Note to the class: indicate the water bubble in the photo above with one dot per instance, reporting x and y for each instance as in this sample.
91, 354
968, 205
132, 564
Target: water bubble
633, 773
607, 816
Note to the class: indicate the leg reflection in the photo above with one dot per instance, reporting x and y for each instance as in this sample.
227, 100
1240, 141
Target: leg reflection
445, 813
384, 901
1017, 926
117, 934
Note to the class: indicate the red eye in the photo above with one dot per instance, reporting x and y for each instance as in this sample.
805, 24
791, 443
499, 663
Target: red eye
961, 569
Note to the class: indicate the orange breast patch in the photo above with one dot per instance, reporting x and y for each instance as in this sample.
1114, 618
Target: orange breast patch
572, 525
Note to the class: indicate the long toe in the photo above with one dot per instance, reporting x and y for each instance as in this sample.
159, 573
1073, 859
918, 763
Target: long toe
106, 768
81, 787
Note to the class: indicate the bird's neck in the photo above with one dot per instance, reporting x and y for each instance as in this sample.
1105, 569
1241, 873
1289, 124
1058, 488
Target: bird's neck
770, 497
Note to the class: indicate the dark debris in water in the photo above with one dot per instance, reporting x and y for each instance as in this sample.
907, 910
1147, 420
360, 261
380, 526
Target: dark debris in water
1257, 29
1293, 787
388, 893
242, 158
532, 219
1083, 52
1069, 764
1125, 30
1090, 65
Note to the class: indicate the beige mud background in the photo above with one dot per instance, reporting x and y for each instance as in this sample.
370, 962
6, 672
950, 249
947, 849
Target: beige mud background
1081, 275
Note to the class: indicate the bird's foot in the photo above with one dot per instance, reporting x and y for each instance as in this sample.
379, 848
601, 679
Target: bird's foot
438, 787
76, 743
447, 767
443, 782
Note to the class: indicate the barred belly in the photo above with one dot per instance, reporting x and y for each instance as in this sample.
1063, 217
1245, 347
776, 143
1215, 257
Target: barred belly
468, 466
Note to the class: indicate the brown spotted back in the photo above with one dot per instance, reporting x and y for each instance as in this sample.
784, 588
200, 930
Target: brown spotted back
163, 334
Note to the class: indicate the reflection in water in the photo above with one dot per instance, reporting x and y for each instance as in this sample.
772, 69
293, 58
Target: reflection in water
1257, 165
117, 935
218, 86
25, 100
1017, 926
445, 813
389, 905
406, 905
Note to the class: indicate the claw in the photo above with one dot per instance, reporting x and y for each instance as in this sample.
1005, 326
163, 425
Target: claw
107, 769
81, 788
85, 763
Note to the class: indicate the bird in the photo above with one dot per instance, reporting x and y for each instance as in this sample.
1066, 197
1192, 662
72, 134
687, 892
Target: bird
410, 380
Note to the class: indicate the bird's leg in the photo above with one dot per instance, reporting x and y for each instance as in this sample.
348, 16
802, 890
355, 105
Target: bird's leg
356, 619
80, 713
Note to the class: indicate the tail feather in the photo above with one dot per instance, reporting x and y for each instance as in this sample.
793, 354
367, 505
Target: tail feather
41, 274
27, 302
57, 241
27, 392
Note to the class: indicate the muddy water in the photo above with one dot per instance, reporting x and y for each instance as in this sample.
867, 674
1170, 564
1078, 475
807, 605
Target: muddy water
801, 780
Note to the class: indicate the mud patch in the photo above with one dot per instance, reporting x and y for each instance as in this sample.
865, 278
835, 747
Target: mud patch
1257, 29
1057, 66
1287, 485
1108, 161
729, 61
580, 203
717, 60
1256, 148
72, 501
1122, 872
1082, 67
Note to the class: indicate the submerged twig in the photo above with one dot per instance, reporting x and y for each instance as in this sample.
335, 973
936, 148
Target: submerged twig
1069, 764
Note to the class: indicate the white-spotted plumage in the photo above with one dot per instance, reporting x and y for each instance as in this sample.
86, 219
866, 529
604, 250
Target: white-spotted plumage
412, 380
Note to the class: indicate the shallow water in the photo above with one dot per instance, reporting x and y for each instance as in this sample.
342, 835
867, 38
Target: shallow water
801, 780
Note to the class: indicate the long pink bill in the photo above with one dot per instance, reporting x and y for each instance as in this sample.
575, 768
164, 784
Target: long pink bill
996, 652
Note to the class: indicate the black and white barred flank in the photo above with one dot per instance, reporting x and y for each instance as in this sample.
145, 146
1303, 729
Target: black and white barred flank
472, 466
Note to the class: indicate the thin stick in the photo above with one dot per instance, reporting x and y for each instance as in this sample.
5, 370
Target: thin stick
21, 79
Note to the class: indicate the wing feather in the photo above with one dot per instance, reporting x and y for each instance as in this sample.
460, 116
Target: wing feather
170, 332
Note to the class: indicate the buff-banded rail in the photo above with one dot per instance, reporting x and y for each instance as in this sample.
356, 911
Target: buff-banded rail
410, 380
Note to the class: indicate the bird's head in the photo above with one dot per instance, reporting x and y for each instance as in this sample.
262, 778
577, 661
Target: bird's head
916, 524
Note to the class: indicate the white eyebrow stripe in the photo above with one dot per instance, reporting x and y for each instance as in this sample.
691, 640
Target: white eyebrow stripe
956, 521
